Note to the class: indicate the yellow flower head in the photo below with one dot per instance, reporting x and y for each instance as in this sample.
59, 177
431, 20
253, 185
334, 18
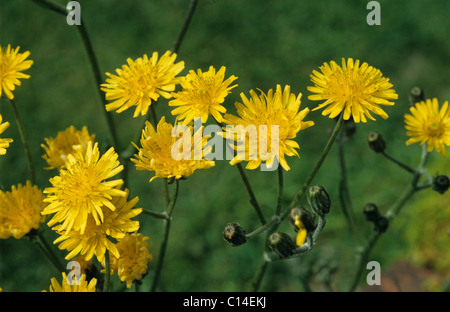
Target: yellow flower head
202, 95
4, 143
20, 210
12, 63
73, 285
302, 233
428, 124
258, 117
356, 90
96, 238
133, 260
158, 151
141, 82
65, 143
83, 189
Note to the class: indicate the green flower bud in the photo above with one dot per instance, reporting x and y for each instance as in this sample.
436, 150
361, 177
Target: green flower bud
318, 200
441, 184
304, 216
376, 142
416, 95
234, 234
381, 224
371, 212
281, 244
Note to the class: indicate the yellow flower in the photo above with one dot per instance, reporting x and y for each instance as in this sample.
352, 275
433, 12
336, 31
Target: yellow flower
156, 152
356, 90
252, 130
65, 143
141, 82
202, 95
4, 143
74, 285
96, 238
12, 63
302, 233
82, 189
20, 210
133, 260
427, 124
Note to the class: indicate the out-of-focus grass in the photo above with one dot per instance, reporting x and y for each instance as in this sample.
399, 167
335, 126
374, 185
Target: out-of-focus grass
264, 43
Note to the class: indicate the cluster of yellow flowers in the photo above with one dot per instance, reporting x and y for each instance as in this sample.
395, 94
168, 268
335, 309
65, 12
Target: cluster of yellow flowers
92, 213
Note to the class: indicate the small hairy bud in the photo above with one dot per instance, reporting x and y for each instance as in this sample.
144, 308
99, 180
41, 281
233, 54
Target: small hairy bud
234, 234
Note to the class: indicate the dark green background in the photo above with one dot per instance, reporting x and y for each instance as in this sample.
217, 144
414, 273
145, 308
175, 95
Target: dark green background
263, 43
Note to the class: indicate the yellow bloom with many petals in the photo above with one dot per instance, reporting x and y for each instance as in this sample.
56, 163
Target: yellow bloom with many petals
252, 130
74, 285
20, 210
134, 257
83, 189
159, 154
429, 124
12, 63
4, 143
66, 142
142, 81
356, 90
96, 238
203, 95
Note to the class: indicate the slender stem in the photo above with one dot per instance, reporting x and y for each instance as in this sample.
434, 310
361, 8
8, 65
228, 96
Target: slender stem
402, 165
163, 248
154, 214
50, 252
24, 141
107, 272
260, 273
280, 191
263, 228
184, 26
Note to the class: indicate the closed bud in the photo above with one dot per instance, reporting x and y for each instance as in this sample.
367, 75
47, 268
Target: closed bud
381, 224
441, 183
234, 234
376, 142
318, 200
300, 217
371, 212
416, 95
281, 244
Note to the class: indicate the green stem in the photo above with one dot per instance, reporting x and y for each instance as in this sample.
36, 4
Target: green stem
154, 214
24, 141
263, 228
260, 273
184, 26
399, 163
107, 272
280, 191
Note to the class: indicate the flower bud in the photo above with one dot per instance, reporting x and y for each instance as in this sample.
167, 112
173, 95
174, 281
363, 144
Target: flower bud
318, 200
416, 95
441, 184
376, 142
300, 217
371, 212
281, 244
381, 224
234, 234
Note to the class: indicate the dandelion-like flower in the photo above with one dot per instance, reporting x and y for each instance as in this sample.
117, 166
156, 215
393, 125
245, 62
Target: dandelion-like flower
4, 142
134, 257
20, 210
429, 124
66, 142
356, 90
252, 130
74, 285
203, 95
141, 82
96, 238
12, 63
83, 189
159, 154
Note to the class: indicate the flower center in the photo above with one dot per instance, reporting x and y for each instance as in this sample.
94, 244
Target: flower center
434, 128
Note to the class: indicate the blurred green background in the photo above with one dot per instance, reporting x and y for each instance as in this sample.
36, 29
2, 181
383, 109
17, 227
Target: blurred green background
263, 43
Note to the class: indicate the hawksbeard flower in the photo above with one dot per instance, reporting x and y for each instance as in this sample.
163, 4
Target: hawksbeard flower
96, 238
20, 210
80, 285
82, 189
141, 82
159, 154
4, 143
12, 63
202, 95
356, 90
427, 124
252, 130
134, 257
66, 142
